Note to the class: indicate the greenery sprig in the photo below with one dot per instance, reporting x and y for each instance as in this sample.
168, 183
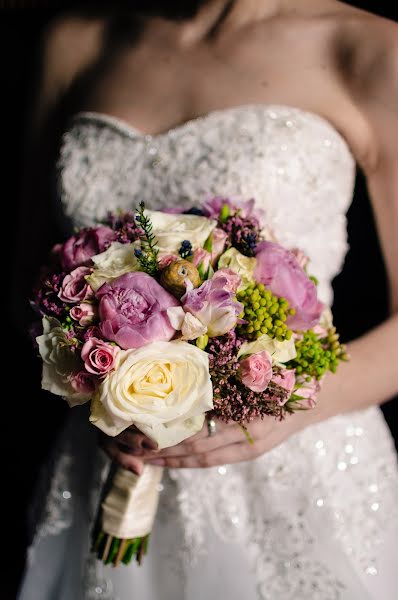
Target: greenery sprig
147, 254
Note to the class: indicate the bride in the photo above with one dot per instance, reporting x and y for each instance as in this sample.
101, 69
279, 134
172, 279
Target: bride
272, 99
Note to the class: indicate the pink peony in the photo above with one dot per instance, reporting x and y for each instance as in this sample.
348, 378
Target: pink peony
201, 257
214, 306
79, 249
286, 379
133, 311
84, 383
74, 287
99, 357
308, 392
278, 269
256, 371
231, 279
84, 313
218, 241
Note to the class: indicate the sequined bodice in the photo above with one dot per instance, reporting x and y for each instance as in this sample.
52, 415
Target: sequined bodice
296, 165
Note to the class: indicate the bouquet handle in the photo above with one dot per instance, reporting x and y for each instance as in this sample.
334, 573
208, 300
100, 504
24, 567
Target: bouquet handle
127, 514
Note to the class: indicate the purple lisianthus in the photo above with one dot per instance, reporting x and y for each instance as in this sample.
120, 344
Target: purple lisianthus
133, 311
278, 269
247, 210
214, 305
79, 249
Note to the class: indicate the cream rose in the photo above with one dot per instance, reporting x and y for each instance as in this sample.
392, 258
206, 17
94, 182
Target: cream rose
240, 264
171, 230
117, 260
281, 352
163, 388
59, 362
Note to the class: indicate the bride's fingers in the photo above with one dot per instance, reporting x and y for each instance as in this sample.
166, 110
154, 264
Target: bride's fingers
226, 455
127, 461
136, 441
201, 445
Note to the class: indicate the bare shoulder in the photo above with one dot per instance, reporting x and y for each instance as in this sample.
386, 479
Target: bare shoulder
69, 45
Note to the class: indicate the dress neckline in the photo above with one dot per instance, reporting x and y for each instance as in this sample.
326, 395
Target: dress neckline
124, 127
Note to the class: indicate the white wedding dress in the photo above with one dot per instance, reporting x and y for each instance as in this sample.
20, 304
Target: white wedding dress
316, 518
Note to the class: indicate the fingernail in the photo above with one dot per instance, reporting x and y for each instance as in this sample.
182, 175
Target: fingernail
137, 470
157, 461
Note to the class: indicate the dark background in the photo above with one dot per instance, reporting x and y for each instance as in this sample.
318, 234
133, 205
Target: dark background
32, 418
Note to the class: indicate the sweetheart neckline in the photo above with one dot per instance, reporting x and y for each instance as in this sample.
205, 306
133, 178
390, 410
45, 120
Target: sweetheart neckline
125, 127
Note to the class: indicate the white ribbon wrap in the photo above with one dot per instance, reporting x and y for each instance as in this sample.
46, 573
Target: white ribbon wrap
129, 509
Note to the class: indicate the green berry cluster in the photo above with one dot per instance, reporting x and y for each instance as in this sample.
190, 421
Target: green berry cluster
264, 313
317, 355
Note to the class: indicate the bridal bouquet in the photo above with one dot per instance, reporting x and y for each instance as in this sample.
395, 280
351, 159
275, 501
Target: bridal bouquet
158, 318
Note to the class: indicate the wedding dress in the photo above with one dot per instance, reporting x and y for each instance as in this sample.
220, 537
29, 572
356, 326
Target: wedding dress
314, 519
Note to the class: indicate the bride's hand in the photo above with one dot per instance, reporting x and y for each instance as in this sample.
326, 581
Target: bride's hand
230, 444
128, 448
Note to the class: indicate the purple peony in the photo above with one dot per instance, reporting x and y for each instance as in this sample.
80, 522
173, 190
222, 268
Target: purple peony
214, 306
133, 311
278, 269
79, 249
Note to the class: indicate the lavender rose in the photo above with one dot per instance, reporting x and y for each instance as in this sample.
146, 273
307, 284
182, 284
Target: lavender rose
99, 357
256, 371
74, 286
133, 311
308, 394
79, 249
278, 269
214, 306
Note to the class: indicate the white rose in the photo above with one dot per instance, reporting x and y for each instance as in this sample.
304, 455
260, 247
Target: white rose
281, 352
241, 264
171, 230
117, 260
59, 362
163, 388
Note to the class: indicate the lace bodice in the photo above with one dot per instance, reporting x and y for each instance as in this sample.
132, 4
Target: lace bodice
296, 165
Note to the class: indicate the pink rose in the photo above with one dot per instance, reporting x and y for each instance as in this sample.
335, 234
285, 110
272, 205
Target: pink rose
84, 313
167, 259
99, 357
286, 379
79, 249
231, 278
133, 311
201, 258
308, 392
84, 383
256, 371
218, 241
74, 287
278, 269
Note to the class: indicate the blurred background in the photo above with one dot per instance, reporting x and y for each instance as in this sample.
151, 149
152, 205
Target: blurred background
30, 426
